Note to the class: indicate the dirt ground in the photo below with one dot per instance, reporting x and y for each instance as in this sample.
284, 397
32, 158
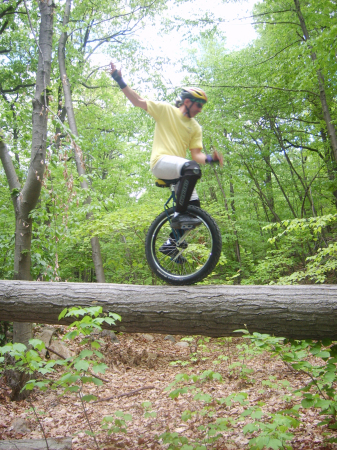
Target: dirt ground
140, 368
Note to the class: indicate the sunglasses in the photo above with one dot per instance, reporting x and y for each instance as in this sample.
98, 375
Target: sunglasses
199, 104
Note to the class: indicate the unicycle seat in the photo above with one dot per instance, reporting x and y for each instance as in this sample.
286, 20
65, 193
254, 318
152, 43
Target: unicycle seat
166, 183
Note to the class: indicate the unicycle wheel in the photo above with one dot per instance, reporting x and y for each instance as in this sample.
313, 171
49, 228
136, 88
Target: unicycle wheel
182, 257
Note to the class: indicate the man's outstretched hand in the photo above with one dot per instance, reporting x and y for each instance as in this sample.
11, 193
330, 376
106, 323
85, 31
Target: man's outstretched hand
117, 75
114, 69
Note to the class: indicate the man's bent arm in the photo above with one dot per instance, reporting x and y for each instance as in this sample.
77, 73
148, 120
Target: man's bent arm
198, 156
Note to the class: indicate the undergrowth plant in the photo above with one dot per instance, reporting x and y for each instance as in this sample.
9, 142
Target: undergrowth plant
208, 414
198, 345
78, 371
263, 430
317, 360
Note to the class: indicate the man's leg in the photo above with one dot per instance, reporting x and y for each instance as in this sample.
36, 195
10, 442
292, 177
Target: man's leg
170, 167
190, 174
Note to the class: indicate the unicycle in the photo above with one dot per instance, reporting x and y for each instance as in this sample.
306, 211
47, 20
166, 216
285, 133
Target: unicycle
196, 250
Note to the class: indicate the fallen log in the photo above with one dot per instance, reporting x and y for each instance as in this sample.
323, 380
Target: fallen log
299, 312
37, 444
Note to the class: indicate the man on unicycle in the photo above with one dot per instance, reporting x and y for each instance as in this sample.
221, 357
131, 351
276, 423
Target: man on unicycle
176, 130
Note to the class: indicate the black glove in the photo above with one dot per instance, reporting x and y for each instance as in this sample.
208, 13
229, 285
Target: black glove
119, 80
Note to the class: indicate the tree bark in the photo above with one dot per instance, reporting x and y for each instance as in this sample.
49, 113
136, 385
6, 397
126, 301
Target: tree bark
95, 246
298, 312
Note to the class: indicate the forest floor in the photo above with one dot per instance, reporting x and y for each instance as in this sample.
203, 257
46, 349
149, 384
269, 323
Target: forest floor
140, 367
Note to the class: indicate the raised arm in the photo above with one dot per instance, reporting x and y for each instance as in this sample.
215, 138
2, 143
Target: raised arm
129, 93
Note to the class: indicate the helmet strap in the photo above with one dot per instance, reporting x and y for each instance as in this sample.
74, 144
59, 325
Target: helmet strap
188, 109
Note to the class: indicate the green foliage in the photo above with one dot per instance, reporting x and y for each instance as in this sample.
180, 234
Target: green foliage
116, 423
263, 114
264, 429
318, 231
319, 392
273, 434
77, 371
148, 410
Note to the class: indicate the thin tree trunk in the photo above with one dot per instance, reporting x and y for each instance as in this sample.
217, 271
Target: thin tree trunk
279, 137
25, 199
95, 246
230, 219
262, 196
281, 187
320, 78
269, 182
330, 162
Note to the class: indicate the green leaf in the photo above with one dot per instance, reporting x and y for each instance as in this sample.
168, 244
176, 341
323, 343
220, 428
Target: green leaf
81, 365
99, 368
275, 444
63, 313
324, 354
186, 415
250, 428
307, 402
89, 397
257, 414
72, 388
37, 343
85, 353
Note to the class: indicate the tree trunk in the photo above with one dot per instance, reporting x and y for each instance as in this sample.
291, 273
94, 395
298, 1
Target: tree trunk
95, 246
321, 86
230, 219
263, 197
25, 199
299, 312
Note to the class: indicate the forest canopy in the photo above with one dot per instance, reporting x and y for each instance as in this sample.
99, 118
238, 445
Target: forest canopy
271, 113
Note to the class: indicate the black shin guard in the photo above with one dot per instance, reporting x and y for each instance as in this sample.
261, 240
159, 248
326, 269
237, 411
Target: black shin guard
194, 203
190, 175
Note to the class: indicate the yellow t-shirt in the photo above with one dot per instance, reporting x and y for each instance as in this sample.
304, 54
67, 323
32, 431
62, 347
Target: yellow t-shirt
174, 133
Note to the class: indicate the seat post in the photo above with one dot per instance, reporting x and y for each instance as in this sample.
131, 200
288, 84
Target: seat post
172, 197
173, 194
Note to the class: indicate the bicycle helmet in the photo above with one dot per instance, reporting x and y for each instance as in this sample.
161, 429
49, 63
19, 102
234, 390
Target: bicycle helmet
194, 94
